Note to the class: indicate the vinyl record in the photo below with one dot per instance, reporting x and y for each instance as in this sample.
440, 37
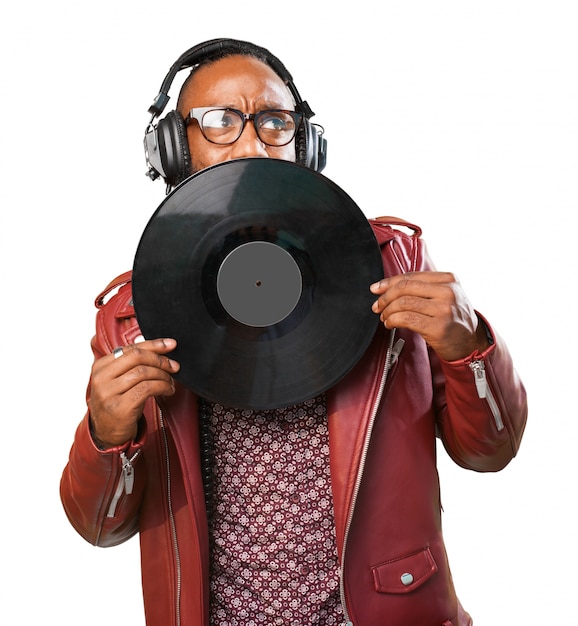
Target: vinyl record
260, 269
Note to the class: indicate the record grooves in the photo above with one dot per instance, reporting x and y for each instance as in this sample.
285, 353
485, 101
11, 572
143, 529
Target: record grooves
260, 269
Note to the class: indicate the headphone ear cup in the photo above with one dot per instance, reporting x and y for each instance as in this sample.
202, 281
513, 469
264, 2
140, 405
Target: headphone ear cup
174, 148
311, 147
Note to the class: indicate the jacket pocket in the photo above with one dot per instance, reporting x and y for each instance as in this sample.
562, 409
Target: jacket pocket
405, 573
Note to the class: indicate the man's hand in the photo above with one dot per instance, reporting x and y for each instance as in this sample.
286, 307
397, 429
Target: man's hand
121, 385
434, 305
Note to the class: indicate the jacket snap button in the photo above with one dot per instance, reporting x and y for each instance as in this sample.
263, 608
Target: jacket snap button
406, 579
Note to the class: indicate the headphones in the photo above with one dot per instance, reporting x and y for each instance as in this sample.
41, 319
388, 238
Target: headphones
165, 143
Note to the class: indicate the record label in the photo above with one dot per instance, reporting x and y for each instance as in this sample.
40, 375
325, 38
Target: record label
259, 283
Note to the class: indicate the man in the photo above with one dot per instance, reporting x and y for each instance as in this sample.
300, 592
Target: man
326, 512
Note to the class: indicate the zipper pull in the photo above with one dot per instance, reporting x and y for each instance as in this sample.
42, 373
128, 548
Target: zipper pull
485, 393
128, 472
479, 370
396, 351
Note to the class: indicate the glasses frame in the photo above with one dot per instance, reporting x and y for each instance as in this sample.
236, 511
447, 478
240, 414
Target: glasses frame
197, 113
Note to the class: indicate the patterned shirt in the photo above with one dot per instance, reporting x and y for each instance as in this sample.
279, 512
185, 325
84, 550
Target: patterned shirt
273, 549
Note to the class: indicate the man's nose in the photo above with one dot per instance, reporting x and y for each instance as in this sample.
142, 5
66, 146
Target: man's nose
249, 144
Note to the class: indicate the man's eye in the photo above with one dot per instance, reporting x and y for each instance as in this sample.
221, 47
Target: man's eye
276, 122
220, 119
228, 120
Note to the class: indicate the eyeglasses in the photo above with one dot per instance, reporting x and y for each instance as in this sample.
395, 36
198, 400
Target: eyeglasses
223, 126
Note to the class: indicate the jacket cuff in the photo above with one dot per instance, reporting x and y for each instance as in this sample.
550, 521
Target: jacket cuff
128, 447
476, 354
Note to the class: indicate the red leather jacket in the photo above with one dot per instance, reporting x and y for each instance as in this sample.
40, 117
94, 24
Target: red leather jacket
384, 417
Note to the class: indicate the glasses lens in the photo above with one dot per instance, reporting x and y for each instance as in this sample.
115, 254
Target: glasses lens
222, 125
276, 128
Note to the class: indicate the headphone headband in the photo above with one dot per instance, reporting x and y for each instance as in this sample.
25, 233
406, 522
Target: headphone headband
193, 56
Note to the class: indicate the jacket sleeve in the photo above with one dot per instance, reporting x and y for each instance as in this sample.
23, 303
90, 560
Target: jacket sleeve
96, 483
480, 401
482, 407
101, 490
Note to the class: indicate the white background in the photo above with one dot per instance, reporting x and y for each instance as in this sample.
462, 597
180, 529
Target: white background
460, 116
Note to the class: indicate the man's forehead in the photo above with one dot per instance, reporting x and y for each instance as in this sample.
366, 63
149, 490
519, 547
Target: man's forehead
233, 66
236, 74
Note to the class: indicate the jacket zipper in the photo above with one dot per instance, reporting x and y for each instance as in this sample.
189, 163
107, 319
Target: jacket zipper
172, 520
390, 357
485, 392
126, 485
125, 482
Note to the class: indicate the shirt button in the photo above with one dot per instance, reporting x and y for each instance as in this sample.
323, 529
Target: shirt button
406, 579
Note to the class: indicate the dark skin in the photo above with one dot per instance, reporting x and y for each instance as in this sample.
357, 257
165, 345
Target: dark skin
431, 304
434, 305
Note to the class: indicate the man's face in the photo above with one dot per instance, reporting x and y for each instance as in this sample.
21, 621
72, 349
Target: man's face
243, 83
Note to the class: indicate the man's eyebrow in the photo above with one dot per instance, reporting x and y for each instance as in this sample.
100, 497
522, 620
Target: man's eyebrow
261, 107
